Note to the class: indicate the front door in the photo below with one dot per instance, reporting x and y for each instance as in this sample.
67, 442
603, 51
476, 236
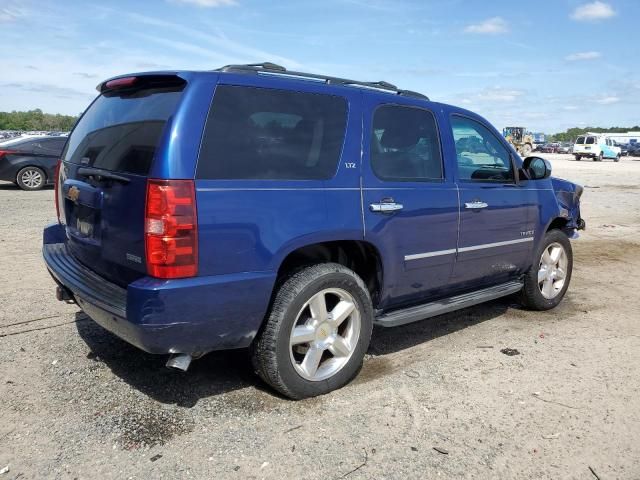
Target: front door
497, 214
410, 203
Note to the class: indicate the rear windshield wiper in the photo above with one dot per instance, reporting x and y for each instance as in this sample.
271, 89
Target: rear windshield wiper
100, 174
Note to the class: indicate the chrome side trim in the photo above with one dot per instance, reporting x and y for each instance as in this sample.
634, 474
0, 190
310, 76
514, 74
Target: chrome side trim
417, 256
495, 244
437, 253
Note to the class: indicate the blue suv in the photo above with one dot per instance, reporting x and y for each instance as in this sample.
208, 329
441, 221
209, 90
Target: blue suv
286, 212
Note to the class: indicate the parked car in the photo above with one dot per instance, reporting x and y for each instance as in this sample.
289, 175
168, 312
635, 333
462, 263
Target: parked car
564, 147
596, 147
633, 149
624, 148
253, 207
548, 148
30, 162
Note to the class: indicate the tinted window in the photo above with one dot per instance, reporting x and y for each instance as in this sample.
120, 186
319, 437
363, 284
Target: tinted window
52, 146
590, 140
21, 144
120, 132
481, 156
405, 145
259, 133
580, 140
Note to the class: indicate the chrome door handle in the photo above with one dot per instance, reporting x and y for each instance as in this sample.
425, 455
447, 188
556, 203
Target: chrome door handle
386, 207
476, 205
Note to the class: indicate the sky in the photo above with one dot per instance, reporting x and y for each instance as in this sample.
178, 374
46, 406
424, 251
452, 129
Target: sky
547, 65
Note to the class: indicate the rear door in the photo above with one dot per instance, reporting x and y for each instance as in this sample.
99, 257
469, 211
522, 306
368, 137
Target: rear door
410, 203
105, 167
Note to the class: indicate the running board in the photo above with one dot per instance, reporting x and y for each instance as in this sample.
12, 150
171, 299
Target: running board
446, 305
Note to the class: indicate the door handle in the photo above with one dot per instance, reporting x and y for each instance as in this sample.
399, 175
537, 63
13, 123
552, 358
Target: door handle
386, 207
475, 205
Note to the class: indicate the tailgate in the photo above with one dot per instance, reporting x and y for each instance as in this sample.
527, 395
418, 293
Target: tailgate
103, 178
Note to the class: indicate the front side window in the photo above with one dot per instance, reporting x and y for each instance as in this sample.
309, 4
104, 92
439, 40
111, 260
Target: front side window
268, 134
481, 156
405, 145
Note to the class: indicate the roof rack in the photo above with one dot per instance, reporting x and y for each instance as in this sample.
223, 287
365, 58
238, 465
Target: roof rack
269, 68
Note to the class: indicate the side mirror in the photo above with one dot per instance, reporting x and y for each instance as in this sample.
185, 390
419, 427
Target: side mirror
536, 168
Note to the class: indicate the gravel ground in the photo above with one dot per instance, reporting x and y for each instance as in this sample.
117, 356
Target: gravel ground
434, 399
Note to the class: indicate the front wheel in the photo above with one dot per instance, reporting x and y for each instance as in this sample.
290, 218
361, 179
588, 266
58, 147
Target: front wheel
617, 158
316, 333
526, 149
546, 282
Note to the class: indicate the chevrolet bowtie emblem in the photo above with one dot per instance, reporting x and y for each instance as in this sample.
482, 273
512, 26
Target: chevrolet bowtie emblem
73, 194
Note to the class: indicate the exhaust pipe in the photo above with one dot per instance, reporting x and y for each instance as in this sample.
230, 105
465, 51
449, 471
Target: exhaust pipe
179, 361
63, 294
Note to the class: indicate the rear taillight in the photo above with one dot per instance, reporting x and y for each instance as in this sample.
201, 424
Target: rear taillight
56, 189
171, 229
6, 152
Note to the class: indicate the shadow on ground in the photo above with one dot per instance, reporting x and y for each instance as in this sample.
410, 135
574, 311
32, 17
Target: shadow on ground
226, 371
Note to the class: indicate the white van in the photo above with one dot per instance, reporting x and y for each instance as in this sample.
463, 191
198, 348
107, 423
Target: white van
596, 147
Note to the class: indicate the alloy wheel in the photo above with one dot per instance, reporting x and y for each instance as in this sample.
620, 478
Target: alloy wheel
325, 334
31, 178
552, 270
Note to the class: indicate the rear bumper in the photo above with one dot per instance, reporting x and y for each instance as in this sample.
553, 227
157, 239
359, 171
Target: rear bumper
193, 315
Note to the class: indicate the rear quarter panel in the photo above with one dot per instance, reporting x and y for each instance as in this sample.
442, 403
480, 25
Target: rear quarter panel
252, 225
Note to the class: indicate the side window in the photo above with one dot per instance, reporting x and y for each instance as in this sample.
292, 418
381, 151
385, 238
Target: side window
51, 147
580, 141
268, 134
590, 140
405, 144
481, 156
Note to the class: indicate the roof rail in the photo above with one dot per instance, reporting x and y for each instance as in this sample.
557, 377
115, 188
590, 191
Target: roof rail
278, 70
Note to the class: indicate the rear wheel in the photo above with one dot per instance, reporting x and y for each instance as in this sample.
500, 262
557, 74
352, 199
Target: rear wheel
526, 149
316, 333
548, 278
578, 157
31, 178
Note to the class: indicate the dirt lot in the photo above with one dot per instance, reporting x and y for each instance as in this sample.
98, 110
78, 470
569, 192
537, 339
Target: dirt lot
78, 402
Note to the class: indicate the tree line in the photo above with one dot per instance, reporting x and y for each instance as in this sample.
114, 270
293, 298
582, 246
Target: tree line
36, 120
572, 133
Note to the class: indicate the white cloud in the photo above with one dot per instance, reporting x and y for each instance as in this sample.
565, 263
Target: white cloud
207, 3
11, 14
608, 100
491, 26
593, 11
500, 95
574, 57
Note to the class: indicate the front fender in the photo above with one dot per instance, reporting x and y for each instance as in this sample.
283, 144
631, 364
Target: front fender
568, 196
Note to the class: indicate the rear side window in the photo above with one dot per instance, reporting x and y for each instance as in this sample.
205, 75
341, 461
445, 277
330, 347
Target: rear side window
51, 146
590, 140
268, 134
121, 130
580, 140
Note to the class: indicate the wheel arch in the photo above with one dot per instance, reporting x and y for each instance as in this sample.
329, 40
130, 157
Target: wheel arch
360, 256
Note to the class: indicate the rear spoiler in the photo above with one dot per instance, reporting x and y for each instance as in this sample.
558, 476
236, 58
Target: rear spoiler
137, 81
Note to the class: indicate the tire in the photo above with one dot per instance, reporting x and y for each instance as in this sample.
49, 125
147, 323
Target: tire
543, 288
31, 178
617, 158
289, 367
578, 157
526, 150
599, 157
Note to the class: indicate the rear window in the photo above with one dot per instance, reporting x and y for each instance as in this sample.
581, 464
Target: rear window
121, 130
590, 140
268, 134
580, 140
